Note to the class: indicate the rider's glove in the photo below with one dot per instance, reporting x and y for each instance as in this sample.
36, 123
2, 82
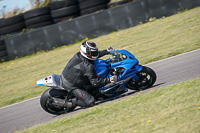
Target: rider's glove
113, 79
109, 49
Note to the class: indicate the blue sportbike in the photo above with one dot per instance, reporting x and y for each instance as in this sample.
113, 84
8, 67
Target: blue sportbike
122, 64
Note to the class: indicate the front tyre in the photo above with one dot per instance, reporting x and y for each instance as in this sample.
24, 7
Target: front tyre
45, 102
147, 77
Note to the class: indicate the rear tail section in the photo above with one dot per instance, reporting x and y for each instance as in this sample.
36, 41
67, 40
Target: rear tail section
47, 81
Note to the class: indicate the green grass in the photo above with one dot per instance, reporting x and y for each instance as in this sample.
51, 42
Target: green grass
149, 42
174, 109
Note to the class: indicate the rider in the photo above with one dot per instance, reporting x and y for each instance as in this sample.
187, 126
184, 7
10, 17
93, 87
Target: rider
80, 71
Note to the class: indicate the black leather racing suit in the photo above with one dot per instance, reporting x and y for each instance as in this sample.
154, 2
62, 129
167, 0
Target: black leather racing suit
79, 72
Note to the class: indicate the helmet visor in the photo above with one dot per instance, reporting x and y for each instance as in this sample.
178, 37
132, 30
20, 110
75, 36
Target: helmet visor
94, 53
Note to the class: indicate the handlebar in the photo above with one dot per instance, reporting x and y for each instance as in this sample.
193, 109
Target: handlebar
112, 51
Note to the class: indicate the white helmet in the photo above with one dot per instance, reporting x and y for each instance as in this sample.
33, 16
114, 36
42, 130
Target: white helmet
89, 50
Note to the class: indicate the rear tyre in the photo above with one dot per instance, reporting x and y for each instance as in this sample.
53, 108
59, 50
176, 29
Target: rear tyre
36, 12
92, 3
40, 25
66, 11
62, 19
45, 102
93, 9
12, 28
147, 77
11, 21
39, 19
54, 5
2, 47
3, 53
114, 4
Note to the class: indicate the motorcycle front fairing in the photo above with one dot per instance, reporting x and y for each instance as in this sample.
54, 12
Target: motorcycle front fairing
102, 68
127, 61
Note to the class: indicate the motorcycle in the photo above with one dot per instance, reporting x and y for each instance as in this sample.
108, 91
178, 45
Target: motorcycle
122, 65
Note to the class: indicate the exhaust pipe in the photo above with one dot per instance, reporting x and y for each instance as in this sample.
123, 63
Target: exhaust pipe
61, 102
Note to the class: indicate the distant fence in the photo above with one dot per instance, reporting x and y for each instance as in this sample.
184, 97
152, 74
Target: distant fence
92, 25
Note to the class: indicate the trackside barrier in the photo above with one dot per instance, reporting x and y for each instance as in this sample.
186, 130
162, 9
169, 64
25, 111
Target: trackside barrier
160, 8
92, 25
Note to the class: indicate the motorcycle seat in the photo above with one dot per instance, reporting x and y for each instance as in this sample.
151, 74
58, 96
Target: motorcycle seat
56, 80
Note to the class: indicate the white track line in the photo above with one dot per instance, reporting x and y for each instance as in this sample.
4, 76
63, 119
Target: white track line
174, 56
19, 102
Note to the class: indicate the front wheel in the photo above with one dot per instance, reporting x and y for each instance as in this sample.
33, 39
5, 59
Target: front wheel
45, 102
147, 77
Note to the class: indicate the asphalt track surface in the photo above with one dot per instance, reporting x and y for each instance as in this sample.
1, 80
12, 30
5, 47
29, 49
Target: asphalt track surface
169, 71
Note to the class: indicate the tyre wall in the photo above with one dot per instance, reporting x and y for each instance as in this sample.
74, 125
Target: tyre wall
11, 25
3, 51
64, 10
92, 25
37, 18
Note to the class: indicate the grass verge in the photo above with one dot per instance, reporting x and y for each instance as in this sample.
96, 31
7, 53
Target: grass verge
149, 42
173, 109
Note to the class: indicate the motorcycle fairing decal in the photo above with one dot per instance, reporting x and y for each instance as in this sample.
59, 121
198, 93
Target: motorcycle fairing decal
102, 90
47, 81
115, 84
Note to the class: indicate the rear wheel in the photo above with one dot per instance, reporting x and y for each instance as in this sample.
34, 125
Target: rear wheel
147, 77
46, 98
